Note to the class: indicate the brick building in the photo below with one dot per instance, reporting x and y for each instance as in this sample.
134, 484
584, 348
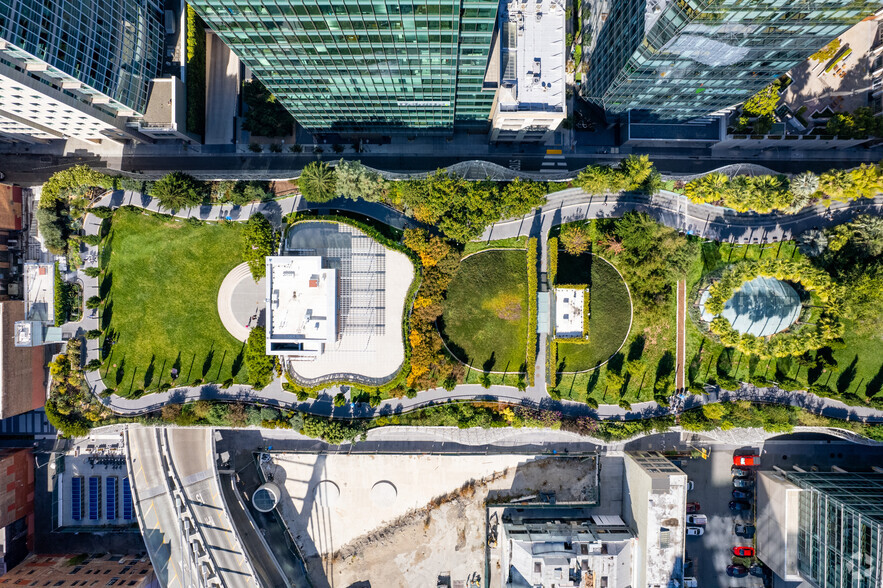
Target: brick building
11, 213
22, 369
16, 505
83, 570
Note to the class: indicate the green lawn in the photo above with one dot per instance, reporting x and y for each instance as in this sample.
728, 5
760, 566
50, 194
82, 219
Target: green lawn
162, 279
859, 360
609, 311
485, 316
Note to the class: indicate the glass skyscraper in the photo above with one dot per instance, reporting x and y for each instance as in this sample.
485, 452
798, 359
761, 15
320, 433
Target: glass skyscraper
107, 51
680, 59
365, 65
840, 528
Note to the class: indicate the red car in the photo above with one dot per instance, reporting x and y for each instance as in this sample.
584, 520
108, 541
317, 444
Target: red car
746, 460
743, 551
692, 507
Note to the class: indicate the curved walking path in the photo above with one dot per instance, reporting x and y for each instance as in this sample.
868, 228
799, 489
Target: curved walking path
568, 205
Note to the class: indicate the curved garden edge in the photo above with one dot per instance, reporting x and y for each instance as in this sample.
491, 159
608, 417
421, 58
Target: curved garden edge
628, 331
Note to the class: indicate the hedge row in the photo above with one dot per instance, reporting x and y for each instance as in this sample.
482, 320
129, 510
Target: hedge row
553, 260
531, 308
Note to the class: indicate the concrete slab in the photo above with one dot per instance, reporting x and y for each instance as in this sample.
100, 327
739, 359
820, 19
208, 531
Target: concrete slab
222, 91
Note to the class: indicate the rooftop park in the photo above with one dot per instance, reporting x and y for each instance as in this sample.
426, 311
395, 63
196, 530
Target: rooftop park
631, 267
834, 348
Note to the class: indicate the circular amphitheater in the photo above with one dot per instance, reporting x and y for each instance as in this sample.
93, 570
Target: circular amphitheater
241, 302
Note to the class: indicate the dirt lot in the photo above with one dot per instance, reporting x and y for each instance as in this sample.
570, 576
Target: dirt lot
442, 535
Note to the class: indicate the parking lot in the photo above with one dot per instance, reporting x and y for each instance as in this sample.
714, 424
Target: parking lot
712, 552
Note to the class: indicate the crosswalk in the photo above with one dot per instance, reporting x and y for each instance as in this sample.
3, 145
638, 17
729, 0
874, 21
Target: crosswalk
553, 162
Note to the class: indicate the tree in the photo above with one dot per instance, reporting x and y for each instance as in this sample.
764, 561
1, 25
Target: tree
519, 197
93, 302
802, 187
827, 52
259, 241
257, 362
575, 238
265, 116
868, 234
355, 181
92, 271
764, 102
813, 242
54, 229
637, 169
178, 190
714, 412
317, 182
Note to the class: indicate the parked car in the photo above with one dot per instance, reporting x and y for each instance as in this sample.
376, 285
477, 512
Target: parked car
743, 551
737, 571
741, 472
690, 485
747, 494
739, 505
746, 460
746, 531
697, 519
693, 507
690, 582
2, 175
695, 531
743, 483
756, 570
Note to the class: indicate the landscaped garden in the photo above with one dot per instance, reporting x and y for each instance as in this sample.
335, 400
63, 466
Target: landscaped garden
848, 364
485, 319
609, 312
160, 286
650, 257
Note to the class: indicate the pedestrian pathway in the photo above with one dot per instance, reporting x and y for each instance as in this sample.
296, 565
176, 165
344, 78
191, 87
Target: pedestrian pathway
681, 337
563, 206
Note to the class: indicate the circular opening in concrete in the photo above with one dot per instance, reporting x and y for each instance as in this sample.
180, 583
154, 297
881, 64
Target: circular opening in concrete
327, 493
266, 497
761, 307
383, 493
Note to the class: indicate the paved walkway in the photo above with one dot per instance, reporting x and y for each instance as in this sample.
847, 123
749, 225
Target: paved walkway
565, 206
681, 337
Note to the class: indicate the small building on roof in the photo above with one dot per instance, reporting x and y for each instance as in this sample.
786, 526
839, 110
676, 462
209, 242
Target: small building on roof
301, 306
570, 312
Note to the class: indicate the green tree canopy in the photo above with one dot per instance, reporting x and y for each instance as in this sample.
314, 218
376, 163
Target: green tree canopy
764, 102
318, 182
257, 362
259, 241
265, 116
355, 181
178, 190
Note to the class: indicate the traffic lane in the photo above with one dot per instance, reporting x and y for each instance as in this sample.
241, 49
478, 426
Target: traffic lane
818, 451
712, 552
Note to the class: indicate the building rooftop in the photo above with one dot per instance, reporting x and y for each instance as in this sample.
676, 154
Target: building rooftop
569, 312
39, 280
301, 305
533, 56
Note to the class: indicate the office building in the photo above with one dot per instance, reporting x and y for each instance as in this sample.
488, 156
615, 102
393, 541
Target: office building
530, 103
824, 528
378, 66
80, 569
682, 59
77, 69
22, 371
16, 506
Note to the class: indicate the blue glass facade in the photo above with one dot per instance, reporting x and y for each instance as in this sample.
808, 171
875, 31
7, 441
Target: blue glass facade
680, 59
112, 46
367, 65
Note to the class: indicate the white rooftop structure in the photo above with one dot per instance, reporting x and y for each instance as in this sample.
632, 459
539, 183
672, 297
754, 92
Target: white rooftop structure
531, 98
569, 312
301, 306
39, 280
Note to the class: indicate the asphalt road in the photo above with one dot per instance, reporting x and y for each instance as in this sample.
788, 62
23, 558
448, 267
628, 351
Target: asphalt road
30, 169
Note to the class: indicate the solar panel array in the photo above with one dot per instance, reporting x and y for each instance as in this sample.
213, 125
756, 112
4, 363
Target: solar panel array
94, 498
110, 494
127, 500
76, 498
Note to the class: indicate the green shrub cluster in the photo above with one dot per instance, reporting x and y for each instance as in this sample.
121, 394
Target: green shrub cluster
552, 364
241, 192
634, 173
259, 241
195, 72
260, 366
531, 308
827, 327
773, 418
264, 115
553, 261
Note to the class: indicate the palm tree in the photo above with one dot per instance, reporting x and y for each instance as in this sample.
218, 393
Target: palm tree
868, 233
317, 182
813, 242
802, 187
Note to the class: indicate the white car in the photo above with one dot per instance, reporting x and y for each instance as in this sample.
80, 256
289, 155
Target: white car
697, 519
690, 582
695, 531
690, 485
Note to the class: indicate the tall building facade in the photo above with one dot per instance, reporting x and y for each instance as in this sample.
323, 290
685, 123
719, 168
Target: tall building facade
825, 528
681, 59
76, 69
369, 66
